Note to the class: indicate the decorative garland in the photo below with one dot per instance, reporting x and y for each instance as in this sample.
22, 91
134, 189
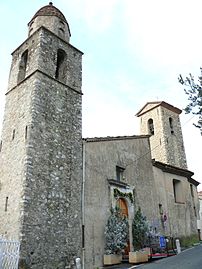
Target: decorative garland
118, 193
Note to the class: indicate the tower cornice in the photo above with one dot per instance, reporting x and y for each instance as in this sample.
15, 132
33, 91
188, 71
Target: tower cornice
39, 71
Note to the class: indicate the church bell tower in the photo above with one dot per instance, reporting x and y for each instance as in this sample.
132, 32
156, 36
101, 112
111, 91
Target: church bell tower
41, 146
161, 121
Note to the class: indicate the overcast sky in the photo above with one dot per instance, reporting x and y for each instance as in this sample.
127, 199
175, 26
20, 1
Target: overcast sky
133, 53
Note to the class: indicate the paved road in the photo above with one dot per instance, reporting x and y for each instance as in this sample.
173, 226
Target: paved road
188, 259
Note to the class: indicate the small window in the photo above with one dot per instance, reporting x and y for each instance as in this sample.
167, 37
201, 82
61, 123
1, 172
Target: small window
171, 125
192, 190
195, 212
25, 132
119, 173
22, 66
151, 126
0, 145
61, 32
6, 204
13, 134
30, 31
177, 190
160, 209
61, 66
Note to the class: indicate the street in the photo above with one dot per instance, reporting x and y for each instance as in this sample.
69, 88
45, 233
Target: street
188, 259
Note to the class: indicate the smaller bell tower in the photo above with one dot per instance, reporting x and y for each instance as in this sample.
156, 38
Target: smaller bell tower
161, 120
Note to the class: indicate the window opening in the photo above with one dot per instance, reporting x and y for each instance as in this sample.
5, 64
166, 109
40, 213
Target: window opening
192, 190
119, 173
195, 213
177, 191
61, 66
26, 132
13, 135
160, 209
61, 32
83, 236
0, 146
151, 126
6, 204
171, 125
22, 66
30, 31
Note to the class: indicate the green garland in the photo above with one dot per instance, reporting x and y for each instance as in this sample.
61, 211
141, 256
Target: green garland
118, 193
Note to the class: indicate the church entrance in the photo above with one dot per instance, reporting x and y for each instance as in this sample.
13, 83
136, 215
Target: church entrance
121, 203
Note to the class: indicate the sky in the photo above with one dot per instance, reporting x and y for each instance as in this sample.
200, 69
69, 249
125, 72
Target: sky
133, 53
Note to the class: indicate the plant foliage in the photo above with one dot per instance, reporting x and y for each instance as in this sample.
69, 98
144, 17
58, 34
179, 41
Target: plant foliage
118, 193
139, 230
116, 232
194, 91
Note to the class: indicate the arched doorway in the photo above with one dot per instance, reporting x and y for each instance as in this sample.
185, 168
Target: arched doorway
122, 205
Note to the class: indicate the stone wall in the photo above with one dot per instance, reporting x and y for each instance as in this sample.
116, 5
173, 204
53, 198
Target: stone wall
52, 220
16, 125
41, 155
166, 147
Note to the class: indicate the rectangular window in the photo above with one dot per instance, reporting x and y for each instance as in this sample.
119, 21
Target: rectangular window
192, 190
119, 173
177, 190
6, 204
13, 134
160, 209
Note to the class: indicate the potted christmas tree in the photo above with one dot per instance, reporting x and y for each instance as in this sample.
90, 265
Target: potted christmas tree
116, 237
139, 232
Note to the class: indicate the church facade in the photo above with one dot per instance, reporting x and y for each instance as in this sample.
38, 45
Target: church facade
140, 171
57, 189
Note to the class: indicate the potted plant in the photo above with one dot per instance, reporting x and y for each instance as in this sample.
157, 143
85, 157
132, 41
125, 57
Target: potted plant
116, 237
139, 233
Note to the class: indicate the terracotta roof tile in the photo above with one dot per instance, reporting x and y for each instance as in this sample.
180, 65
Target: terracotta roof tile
49, 10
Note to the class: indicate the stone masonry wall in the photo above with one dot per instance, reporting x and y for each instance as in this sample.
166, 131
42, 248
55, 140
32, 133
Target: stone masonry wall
42, 49
41, 168
165, 147
16, 126
51, 232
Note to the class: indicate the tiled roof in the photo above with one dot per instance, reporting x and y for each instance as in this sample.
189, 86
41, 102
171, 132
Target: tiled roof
156, 104
49, 10
111, 138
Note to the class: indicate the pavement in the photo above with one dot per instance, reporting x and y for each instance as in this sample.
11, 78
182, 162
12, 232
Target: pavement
123, 265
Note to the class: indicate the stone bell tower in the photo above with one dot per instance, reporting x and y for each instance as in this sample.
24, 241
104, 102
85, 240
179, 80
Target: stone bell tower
161, 120
41, 146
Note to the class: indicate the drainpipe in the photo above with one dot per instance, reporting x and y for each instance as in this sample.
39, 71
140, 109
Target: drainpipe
83, 207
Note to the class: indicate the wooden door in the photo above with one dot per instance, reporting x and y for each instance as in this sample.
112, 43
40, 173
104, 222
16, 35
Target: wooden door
121, 203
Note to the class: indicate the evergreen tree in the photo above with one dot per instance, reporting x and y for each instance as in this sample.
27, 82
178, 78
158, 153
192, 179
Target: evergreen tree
116, 232
139, 230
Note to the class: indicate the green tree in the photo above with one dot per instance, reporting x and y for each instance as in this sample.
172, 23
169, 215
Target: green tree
194, 91
116, 232
139, 230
